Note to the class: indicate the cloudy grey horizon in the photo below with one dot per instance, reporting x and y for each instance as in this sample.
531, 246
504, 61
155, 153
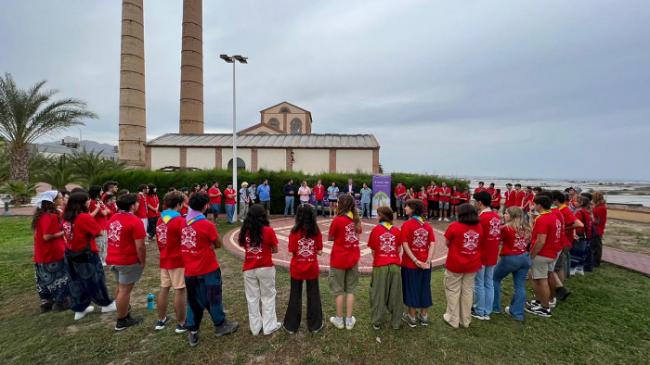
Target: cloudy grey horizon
549, 89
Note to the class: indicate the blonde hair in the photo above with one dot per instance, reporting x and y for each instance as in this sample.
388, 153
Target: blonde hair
517, 222
598, 197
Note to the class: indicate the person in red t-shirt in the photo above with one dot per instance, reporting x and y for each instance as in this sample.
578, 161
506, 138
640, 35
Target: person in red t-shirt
87, 281
544, 247
319, 196
514, 260
143, 190
417, 240
400, 195
231, 201
445, 198
462, 239
480, 187
437, 190
491, 190
430, 203
422, 195
215, 200
172, 274
344, 231
127, 254
509, 196
496, 200
519, 196
386, 283
49, 245
600, 222
305, 245
489, 246
454, 201
101, 214
259, 241
153, 211
580, 248
202, 273
563, 264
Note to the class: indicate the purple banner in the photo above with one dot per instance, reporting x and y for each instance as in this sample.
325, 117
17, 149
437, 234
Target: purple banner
381, 192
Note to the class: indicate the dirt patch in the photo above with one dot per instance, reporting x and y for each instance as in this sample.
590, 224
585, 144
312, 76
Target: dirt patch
628, 236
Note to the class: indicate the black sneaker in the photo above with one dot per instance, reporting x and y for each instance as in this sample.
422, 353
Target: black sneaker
126, 322
226, 328
46, 307
424, 321
411, 322
160, 324
180, 328
194, 338
562, 293
540, 311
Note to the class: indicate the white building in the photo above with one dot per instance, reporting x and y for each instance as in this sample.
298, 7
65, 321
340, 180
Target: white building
281, 141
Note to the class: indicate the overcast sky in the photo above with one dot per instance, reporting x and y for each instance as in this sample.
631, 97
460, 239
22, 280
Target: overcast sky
556, 89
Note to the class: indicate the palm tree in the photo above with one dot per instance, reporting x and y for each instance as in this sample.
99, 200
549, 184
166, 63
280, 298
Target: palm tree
59, 173
27, 115
87, 166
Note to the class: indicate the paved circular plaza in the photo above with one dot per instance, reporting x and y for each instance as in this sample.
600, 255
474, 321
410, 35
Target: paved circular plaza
283, 226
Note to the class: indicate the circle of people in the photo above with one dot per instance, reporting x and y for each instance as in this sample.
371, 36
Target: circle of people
539, 235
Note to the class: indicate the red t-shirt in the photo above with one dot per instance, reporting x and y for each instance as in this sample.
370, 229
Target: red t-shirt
455, 197
424, 197
319, 192
513, 242
260, 256
464, 251
464, 198
83, 231
444, 194
231, 196
419, 237
123, 230
583, 215
479, 189
385, 245
600, 218
213, 199
142, 207
100, 218
518, 197
491, 191
304, 262
154, 201
491, 238
52, 250
496, 199
184, 209
436, 193
569, 220
549, 224
510, 198
400, 191
197, 242
345, 249
168, 237
528, 202
559, 216
430, 193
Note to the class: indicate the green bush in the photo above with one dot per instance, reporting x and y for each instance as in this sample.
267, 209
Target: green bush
130, 179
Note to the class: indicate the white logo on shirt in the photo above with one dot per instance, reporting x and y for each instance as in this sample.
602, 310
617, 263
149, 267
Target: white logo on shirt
558, 230
114, 230
387, 243
470, 240
161, 234
188, 237
520, 242
420, 237
67, 229
305, 247
351, 233
495, 227
251, 249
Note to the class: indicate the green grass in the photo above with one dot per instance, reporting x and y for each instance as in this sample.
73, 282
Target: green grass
605, 321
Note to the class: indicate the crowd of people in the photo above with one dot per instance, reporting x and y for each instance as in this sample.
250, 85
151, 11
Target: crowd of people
539, 236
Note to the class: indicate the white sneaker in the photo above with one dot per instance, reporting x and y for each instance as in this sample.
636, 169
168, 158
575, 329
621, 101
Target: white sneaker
573, 271
337, 322
277, 327
80, 315
581, 271
440, 219
109, 308
446, 219
552, 303
349, 323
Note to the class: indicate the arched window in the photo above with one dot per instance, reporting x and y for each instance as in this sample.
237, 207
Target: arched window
241, 165
274, 122
296, 126
284, 109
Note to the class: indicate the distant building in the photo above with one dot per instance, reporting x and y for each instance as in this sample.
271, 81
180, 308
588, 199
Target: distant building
282, 140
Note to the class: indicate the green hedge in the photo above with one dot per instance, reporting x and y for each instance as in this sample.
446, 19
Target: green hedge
130, 179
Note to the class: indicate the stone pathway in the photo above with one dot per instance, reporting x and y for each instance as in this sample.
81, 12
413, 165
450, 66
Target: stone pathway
628, 260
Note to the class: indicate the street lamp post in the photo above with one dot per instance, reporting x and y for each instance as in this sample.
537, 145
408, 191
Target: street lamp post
234, 59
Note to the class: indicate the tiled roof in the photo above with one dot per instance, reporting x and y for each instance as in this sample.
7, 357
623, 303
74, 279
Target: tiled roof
343, 141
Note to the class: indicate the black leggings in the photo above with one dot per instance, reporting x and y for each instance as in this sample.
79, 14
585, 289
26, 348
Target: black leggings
294, 309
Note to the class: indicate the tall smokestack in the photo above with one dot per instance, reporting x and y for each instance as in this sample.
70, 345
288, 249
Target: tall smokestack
191, 115
133, 121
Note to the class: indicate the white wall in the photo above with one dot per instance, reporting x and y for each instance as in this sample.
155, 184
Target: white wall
243, 153
273, 159
353, 160
311, 161
165, 156
201, 158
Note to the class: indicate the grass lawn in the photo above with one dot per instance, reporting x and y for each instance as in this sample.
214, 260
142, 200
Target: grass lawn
605, 321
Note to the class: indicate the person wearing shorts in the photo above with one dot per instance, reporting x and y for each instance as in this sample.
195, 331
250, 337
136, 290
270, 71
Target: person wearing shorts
127, 254
344, 281
541, 266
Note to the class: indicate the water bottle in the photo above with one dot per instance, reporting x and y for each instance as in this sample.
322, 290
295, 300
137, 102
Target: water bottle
151, 301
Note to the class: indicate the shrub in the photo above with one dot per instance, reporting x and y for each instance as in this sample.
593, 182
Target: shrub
130, 179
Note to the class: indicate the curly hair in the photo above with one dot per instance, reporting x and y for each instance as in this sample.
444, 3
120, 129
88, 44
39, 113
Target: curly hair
253, 226
306, 221
46, 208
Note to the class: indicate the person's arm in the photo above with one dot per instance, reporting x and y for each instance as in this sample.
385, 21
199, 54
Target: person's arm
218, 243
96, 210
141, 250
51, 236
429, 256
540, 241
447, 242
410, 254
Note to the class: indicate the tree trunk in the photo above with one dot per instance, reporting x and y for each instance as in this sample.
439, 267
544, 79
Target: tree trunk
19, 160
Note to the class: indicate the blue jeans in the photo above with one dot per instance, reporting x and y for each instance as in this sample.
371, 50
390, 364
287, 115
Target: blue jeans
579, 252
204, 293
365, 210
518, 266
288, 205
215, 208
230, 212
321, 204
484, 290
